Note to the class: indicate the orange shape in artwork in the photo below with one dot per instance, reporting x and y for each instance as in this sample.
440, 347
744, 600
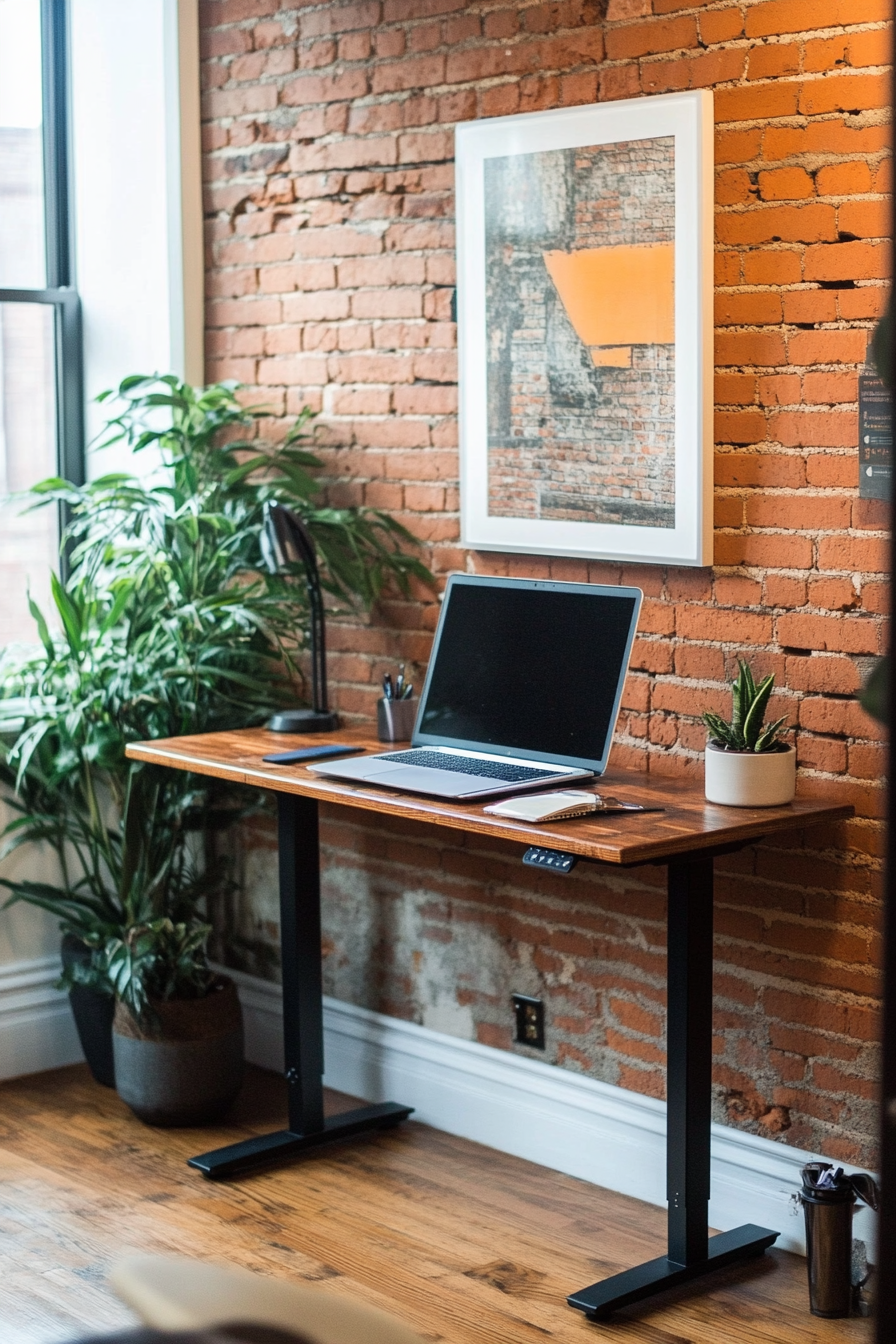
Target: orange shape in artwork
617, 296
612, 356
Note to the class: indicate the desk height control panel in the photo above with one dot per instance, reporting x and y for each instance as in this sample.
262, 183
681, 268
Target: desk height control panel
536, 856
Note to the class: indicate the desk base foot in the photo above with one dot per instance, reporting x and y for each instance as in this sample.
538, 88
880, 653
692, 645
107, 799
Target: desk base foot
268, 1150
656, 1276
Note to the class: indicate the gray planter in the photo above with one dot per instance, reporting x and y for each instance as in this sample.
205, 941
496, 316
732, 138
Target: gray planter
187, 1068
92, 1012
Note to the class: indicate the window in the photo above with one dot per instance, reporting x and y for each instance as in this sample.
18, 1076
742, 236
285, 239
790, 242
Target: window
41, 398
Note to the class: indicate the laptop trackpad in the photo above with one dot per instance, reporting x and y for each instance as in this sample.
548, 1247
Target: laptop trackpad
401, 776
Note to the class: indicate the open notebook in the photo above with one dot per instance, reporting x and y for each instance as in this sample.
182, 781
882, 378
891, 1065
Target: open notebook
560, 804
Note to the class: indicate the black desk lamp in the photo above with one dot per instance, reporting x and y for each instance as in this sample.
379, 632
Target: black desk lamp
287, 540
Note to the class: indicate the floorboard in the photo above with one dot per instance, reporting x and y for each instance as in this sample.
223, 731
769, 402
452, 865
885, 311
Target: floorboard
467, 1245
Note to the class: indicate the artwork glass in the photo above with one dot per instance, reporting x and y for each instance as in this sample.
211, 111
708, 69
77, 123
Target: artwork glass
573, 417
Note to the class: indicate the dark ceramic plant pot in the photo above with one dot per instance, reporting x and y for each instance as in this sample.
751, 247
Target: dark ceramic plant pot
93, 1014
187, 1067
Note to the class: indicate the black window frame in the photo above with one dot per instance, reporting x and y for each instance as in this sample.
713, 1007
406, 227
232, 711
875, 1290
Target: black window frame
60, 292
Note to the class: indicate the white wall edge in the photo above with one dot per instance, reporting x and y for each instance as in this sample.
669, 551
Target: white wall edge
37, 1031
561, 1120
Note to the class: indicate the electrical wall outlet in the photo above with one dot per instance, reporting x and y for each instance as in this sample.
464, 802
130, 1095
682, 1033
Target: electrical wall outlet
529, 1014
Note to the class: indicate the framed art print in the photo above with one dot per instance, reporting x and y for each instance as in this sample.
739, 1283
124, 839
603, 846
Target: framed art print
585, 330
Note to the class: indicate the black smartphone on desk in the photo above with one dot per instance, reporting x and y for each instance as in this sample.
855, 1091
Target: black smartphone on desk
312, 753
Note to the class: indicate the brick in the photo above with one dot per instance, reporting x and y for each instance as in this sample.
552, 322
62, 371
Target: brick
393, 302
354, 272
759, 308
720, 25
794, 16
764, 266
844, 93
864, 302
329, 19
799, 512
813, 223
364, 401
760, 469
805, 306
827, 347
782, 591
739, 427
844, 179
827, 136
728, 510
785, 184
857, 634
829, 388
834, 594
411, 73
773, 552
845, 718
727, 268
305, 89
779, 389
756, 102
813, 429
859, 555
869, 47
741, 146
747, 347
645, 39
730, 627
865, 219
426, 399
735, 389
774, 60
873, 514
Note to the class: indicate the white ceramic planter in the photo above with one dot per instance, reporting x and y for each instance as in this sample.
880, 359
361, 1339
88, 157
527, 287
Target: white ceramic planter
749, 778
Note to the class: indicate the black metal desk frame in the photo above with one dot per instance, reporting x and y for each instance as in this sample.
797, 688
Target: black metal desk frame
303, 1019
691, 1253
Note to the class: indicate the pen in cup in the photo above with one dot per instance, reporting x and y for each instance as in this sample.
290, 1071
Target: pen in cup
399, 689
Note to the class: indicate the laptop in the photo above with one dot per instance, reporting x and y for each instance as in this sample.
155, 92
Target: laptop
522, 691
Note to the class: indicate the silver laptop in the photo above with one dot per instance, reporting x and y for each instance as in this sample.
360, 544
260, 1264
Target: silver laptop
522, 692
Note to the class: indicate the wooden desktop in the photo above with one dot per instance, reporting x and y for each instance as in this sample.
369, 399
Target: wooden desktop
686, 837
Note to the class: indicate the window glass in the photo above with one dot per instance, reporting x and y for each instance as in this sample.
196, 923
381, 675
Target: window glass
29, 542
22, 250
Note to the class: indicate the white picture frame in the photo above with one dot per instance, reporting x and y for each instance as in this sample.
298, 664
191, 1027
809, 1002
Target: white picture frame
678, 532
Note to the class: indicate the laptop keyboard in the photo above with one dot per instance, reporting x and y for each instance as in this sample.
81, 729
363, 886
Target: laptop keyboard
464, 765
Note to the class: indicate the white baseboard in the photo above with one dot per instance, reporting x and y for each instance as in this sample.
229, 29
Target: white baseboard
37, 1030
561, 1120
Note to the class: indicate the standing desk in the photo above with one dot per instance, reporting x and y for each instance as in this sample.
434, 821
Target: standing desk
685, 837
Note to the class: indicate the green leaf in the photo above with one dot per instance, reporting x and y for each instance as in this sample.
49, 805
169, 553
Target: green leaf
756, 712
170, 625
769, 737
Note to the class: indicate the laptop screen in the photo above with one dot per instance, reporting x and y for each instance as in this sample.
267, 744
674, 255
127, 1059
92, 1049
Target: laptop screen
529, 668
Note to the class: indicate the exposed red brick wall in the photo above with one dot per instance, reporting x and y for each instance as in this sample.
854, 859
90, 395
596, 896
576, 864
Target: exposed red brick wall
328, 132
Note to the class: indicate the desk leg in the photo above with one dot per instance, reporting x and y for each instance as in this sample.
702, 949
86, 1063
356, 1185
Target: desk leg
303, 1029
692, 1253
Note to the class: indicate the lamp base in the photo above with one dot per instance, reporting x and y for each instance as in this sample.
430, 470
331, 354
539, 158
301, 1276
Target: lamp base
303, 721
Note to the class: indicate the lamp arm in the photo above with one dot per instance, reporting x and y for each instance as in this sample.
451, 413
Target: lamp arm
289, 532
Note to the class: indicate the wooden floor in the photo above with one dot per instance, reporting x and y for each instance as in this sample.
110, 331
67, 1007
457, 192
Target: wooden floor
463, 1243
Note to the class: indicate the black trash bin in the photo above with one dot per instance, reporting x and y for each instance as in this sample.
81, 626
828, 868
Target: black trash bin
829, 1198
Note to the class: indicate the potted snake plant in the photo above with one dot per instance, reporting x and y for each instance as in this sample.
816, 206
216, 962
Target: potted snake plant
167, 621
747, 764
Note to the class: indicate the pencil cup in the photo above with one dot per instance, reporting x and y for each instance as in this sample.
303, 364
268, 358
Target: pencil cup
395, 719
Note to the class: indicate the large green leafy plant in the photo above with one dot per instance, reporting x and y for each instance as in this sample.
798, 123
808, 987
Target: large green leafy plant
167, 622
